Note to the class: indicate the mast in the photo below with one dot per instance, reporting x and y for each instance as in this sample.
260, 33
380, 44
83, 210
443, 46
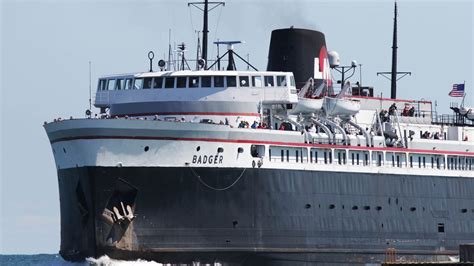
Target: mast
394, 75
394, 56
205, 26
205, 31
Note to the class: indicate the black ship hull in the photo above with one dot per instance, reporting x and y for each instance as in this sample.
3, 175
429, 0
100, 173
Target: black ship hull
260, 216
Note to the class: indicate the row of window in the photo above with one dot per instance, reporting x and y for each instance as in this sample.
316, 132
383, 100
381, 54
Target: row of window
393, 159
193, 82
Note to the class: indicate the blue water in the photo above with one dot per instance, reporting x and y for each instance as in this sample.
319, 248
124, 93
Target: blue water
40, 259
56, 260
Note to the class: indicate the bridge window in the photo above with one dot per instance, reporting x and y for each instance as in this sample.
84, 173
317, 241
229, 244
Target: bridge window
181, 82
169, 82
147, 83
111, 84
218, 81
256, 81
231, 81
281, 81
102, 85
128, 84
119, 84
193, 82
206, 82
292, 81
138, 84
244, 81
158, 83
269, 81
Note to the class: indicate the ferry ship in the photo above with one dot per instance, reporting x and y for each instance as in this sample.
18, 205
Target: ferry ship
262, 167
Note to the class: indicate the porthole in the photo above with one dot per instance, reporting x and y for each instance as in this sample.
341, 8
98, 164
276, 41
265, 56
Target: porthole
220, 150
146, 148
198, 148
240, 150
378, 208
307, 206
64, 150
355, 208
440, 228
366, 208
412, 209
332, 206
463, 210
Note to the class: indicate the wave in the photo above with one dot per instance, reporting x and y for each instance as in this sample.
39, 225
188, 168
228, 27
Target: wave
106, 261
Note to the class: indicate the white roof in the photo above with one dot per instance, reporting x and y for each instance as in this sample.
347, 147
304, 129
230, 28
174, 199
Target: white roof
197, 73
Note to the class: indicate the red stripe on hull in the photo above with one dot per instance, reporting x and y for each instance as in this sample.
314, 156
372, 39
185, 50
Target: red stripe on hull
278, 143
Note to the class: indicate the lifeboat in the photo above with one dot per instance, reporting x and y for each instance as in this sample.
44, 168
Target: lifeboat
341, 106
308, 105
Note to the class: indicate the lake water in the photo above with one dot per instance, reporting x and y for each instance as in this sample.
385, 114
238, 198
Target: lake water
56, 260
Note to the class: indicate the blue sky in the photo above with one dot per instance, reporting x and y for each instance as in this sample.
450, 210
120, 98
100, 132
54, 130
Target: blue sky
46, 47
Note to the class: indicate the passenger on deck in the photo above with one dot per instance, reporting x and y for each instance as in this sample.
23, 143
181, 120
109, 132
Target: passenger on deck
393, 109
406, 110
411, 112
312, 129
436, 135
254, 125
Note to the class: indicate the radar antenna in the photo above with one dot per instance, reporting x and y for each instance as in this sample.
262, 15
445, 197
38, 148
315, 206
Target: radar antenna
230, 52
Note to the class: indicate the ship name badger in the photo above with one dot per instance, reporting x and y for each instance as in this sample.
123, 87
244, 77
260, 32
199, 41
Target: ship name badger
204, 159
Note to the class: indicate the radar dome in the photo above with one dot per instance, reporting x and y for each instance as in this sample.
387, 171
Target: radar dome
334, 60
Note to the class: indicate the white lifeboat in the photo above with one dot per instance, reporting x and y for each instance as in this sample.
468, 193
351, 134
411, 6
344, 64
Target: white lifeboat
306, 102
341, 105
307, 105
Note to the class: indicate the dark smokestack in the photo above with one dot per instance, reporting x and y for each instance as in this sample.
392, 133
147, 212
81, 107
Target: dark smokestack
302, 52
394, 57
